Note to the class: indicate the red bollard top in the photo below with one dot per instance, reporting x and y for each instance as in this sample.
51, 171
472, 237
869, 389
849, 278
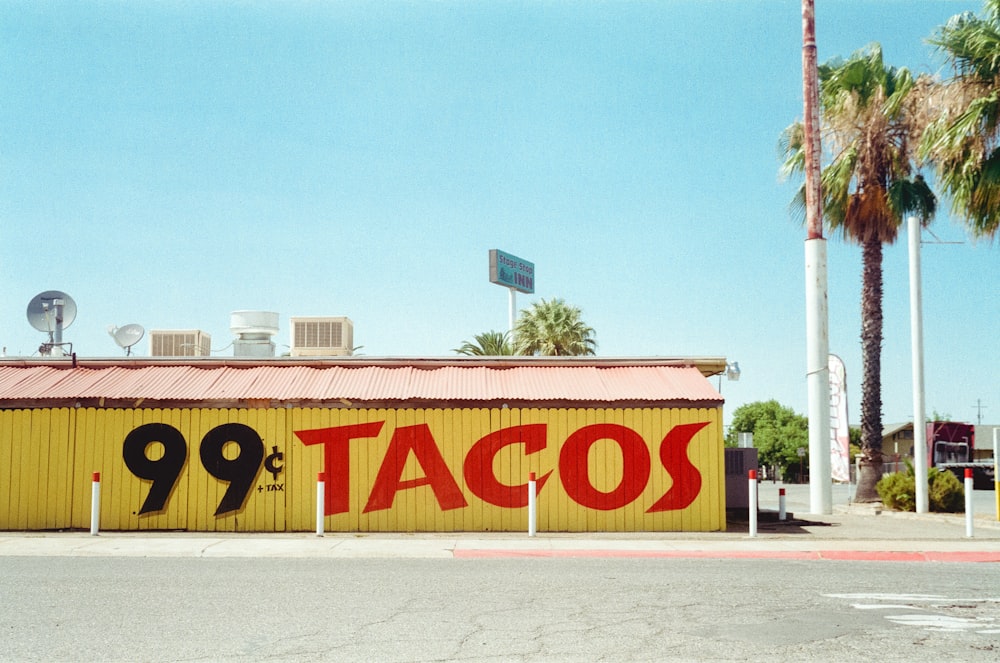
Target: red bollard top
781, 491
97, 477
753, 475
531, 476
321, 477
968, 473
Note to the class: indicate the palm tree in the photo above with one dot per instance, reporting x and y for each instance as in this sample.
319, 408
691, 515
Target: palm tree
553, 328
489, 344
964, 141
870, 122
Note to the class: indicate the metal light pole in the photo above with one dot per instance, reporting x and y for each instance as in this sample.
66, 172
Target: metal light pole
917, 355
817, 319
511, 314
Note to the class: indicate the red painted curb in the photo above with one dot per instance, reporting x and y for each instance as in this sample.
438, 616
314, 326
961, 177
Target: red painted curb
827, 555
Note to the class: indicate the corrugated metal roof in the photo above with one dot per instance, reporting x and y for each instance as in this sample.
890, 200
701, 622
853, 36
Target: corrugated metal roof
33, 383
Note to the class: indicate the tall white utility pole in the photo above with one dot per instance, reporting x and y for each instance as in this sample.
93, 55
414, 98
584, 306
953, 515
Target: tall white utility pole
817, 318
917, 353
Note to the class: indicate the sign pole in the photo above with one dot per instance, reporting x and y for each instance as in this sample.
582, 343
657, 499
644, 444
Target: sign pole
511, 312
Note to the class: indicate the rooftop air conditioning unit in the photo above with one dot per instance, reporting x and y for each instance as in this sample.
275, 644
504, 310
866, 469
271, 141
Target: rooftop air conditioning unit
322, 337
180, 343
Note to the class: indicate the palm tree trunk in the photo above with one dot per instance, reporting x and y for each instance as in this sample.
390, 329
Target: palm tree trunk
871, 380
810, 93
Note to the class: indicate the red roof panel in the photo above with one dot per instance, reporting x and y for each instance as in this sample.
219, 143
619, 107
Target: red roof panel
359, 382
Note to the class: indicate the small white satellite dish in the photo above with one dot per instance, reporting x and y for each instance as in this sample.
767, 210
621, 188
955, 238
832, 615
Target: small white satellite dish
127, 336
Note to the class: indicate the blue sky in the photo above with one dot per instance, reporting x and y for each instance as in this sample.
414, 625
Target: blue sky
168, 163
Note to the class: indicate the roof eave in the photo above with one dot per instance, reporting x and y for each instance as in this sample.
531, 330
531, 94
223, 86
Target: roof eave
708, 366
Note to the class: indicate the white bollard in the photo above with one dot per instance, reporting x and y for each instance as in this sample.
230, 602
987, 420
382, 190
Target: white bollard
320, 502
781, 504
532, 509
968, 502
753, 502
95, 504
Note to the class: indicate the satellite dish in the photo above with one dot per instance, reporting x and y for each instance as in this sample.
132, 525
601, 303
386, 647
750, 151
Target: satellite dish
50, 310
127, 336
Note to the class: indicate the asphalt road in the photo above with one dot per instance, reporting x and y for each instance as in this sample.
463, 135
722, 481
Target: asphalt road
198, 609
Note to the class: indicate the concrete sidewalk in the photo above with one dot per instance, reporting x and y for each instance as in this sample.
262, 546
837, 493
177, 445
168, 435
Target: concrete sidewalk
854, 533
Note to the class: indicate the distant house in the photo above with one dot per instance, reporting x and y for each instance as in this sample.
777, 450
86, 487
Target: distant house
897, 439
986, 436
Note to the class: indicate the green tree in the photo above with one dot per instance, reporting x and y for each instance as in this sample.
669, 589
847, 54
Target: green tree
488, 344
871, 119
553, 328
964, 140
855, 444
778, 432
939, 416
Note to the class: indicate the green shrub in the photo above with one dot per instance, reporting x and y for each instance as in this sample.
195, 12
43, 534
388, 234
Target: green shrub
898, 491
945, 492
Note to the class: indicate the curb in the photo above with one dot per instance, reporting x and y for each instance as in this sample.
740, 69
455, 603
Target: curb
818, 555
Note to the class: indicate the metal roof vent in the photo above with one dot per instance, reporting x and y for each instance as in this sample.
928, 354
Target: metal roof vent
254, 330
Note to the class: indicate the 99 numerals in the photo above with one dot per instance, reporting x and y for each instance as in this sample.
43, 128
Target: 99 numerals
239, 472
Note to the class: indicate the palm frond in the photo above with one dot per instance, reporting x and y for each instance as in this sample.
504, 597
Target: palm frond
912, 197
488, 344
900, 83
791, 149
836, 182
553, 328
962, 142
972, 44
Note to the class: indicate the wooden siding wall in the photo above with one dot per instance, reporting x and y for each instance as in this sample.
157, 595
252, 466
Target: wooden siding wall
47, 457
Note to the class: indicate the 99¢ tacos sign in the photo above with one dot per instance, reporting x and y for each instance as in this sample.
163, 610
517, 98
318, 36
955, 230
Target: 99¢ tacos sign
597, 466
478, 466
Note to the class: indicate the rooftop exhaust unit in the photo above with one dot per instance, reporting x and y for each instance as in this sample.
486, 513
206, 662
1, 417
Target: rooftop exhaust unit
322, 337
254, 330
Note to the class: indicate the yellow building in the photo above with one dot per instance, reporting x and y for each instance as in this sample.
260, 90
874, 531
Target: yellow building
402, 444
